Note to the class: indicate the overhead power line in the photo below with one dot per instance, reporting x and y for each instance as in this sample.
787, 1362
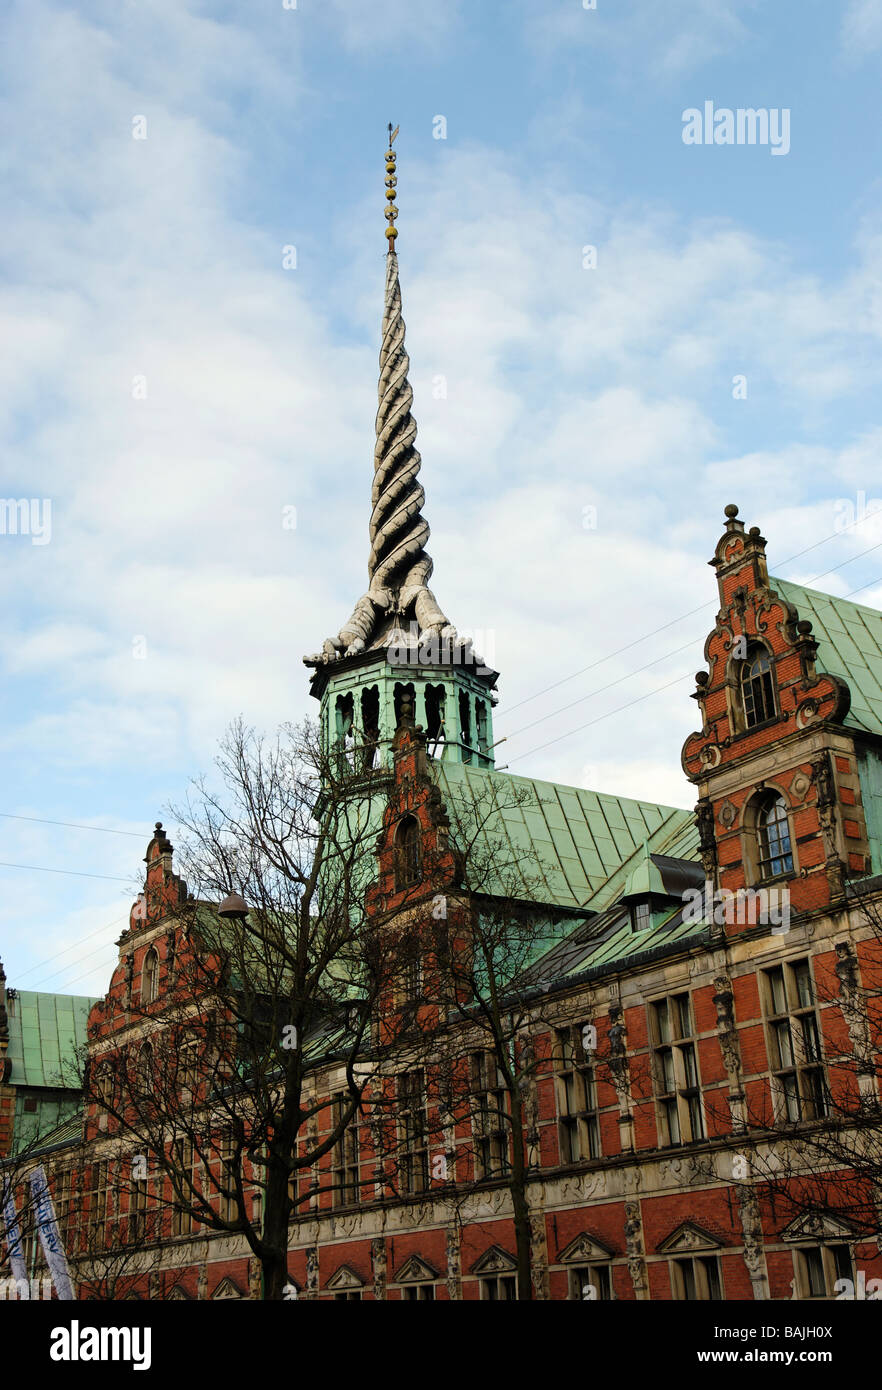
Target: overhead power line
74, 825
700, 609
42, 869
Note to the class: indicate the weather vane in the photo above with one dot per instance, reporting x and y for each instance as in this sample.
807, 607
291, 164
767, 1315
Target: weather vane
391, 184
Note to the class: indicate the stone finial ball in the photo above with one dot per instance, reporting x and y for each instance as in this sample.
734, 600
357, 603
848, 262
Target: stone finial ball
731, 511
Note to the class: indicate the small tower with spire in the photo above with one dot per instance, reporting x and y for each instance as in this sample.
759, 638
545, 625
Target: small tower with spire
398, 644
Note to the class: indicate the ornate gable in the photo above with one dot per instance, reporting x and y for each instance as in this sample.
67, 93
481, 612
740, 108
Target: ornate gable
689, 1239
415, 1271
772, 731
583, 1249
495, 1261
227, 1289
344, 1279
816, 1225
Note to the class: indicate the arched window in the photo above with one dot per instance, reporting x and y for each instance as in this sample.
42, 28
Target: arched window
757, 687
774, 853
145, 1066
150, 977
407, 853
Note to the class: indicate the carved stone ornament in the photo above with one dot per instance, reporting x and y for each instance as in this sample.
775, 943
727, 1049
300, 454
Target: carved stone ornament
710, 755
344, 1279
415, 1271
800, 785
728, 814
689, 1237
495, 1261
227, 1289
584, 1248
806, 713
816, 1225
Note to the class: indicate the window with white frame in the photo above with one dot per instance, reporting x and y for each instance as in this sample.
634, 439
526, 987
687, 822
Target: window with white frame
578, 1123
818, 1267
418, 1293
696, 1278
413, 1125
757, 683
793, 1036
344, 1166
591, 1283
676, 1075
499, 1288
489, 1116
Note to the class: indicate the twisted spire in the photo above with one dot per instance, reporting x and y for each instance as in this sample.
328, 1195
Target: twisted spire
398, 565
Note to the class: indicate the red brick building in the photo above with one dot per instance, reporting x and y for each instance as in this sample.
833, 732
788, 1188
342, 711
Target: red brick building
707, 1004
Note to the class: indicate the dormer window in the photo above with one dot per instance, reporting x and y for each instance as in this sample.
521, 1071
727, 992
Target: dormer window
407, 853
757, 685
641, 916
150, 977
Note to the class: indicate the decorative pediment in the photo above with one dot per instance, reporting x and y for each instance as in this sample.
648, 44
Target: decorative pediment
495, 1261
583, 1249
345, 1278
179, 1295
688, 1238
817, 1225
415, 1271
227, 1289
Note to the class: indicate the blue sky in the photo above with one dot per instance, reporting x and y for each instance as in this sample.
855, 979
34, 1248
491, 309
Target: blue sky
170, 598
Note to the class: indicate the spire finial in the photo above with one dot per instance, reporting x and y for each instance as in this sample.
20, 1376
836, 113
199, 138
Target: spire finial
391, 185
398, 565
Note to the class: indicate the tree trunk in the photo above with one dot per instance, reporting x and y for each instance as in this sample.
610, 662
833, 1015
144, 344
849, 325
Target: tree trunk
274, 1243
518, 1188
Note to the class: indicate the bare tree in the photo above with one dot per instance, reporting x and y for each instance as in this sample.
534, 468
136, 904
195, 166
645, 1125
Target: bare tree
211, 1085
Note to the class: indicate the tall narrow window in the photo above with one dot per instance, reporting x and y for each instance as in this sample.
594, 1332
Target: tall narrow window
138, 1206
794, 1043
98, 1205
345, 718
413, 1124
150, 977
481, 725
490, 1117
576, 1097
677, 1084
407, 853
370, 722
436, 698
774, 852
182, 1195
757, 687
465, 726
347, 1190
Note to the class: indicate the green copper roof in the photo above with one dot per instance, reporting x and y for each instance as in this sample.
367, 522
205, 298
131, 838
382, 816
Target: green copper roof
850, 645
608, 943
46, 1032
578, 842
644, 878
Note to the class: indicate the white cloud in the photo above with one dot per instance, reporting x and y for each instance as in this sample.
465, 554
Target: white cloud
659, 42
861, 32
